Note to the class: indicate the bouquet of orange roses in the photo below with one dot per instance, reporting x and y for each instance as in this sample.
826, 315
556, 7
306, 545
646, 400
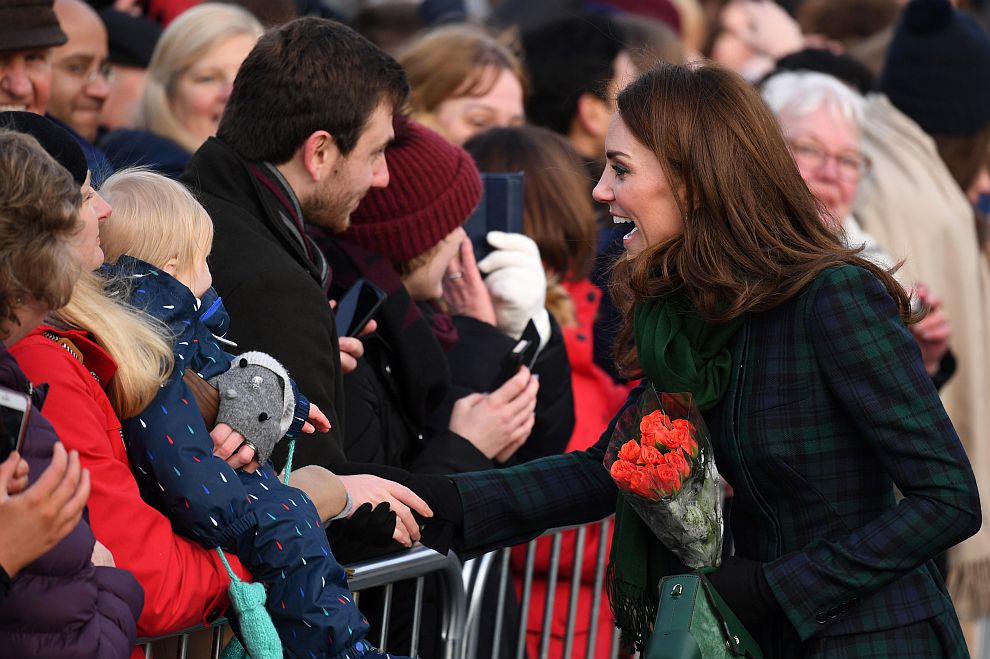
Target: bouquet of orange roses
660, 457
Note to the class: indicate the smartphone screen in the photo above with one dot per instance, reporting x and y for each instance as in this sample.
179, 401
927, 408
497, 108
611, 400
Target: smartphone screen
357, 306
500, 209
14, 410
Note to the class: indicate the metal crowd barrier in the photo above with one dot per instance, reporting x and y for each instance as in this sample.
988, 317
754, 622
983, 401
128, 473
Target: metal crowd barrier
462, 611
476, 581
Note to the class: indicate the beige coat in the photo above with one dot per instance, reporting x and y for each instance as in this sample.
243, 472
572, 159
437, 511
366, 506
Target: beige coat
915, 209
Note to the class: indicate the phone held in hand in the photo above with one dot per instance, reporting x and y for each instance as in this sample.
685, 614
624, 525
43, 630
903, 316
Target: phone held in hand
523, 353
15, 410
500, 209
357, 307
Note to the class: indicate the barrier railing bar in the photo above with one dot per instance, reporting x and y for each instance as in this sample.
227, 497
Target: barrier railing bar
475, 572
183, 651
417, 617
217, 640
551, 595
386, 614
414, 562
599, 587
575, 591
503, 582
526, 595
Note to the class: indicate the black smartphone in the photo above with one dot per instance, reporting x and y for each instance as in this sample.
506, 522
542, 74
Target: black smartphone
15, 410
357, 306
500, 209
523, 353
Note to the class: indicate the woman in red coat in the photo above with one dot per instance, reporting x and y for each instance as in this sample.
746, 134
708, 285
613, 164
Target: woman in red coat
184, 583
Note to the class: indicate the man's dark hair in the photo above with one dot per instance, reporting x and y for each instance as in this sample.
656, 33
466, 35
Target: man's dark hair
310, 74
566, 58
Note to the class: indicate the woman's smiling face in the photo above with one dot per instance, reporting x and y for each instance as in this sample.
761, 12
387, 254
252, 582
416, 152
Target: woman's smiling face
636, 190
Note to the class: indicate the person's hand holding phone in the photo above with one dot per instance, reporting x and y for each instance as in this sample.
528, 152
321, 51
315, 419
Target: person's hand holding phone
517, 283
351, 348
497, 424
34, 519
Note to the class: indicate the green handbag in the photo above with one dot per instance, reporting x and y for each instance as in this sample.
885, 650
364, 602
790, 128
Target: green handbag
693, 622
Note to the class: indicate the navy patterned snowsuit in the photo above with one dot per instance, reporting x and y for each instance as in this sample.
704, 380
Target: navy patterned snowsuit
274, 529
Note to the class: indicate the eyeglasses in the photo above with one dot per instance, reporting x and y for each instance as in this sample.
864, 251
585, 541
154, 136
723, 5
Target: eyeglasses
850, 166
86, 72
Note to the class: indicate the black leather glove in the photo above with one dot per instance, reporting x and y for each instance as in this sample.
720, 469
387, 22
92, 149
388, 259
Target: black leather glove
367, 533
744, 587
439, 492
443, 498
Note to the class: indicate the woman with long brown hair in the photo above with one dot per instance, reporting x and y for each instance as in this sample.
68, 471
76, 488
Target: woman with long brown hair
797, 353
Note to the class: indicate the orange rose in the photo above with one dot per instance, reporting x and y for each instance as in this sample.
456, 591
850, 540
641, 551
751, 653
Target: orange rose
672, 439
641, 482
621, 473
651, 456
667, 479
677, 460
629, 451
690, 447
685, 424
652, 426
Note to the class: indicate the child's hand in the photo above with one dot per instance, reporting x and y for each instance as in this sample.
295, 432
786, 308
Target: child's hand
230, 446
317, 421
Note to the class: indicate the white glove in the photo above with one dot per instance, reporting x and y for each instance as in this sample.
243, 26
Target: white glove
517, 283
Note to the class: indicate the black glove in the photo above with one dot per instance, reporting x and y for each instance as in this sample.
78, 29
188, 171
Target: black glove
743, 585
439, 492
443, 498
367, 533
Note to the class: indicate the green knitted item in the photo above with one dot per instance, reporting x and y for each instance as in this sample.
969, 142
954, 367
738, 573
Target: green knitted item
248, 600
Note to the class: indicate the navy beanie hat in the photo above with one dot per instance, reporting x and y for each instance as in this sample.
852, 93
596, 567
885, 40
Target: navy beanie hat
938, 69
54, 139
433, 188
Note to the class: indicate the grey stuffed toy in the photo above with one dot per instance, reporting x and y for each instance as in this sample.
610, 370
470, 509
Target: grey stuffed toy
257, 400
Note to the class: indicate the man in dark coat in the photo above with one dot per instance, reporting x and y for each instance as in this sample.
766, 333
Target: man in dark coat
302, 139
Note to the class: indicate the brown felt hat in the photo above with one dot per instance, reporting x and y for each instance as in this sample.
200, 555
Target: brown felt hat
27, 24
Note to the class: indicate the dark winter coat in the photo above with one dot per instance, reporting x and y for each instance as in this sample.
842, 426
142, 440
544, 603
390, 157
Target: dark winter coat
402, 377
272, 287
61, 605
141, 148
828, 409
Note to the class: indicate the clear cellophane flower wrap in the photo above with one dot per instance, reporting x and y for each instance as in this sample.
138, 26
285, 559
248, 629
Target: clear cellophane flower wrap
660, 457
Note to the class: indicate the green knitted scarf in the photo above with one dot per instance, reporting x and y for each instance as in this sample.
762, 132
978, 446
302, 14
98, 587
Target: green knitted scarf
679, 352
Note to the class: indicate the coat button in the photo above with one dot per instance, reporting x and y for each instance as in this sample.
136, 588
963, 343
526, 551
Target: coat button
821, 618
388, 369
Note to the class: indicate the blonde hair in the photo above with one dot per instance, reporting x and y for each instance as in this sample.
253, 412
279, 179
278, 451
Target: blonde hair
185, 41
140, 345
454, 61
154, 219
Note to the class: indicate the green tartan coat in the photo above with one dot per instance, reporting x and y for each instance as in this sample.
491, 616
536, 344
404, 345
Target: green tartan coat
828, 409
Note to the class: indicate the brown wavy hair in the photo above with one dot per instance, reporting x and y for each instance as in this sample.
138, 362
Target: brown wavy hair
39, 215
752, 237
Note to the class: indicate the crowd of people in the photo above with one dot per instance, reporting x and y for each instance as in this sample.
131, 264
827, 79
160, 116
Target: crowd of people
775, 206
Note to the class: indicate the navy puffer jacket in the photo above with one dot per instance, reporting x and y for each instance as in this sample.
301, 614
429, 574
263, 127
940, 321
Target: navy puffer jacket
61, 605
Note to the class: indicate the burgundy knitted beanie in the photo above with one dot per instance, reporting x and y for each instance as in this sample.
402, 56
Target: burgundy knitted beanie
433, 188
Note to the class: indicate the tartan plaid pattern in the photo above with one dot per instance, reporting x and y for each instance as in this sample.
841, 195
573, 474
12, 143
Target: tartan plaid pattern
829, 409
504, 507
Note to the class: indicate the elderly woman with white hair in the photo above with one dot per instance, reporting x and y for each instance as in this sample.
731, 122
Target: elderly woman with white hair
190, 76
820, 118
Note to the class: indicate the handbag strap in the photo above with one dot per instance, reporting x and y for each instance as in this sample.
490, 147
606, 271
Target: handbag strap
737, 638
